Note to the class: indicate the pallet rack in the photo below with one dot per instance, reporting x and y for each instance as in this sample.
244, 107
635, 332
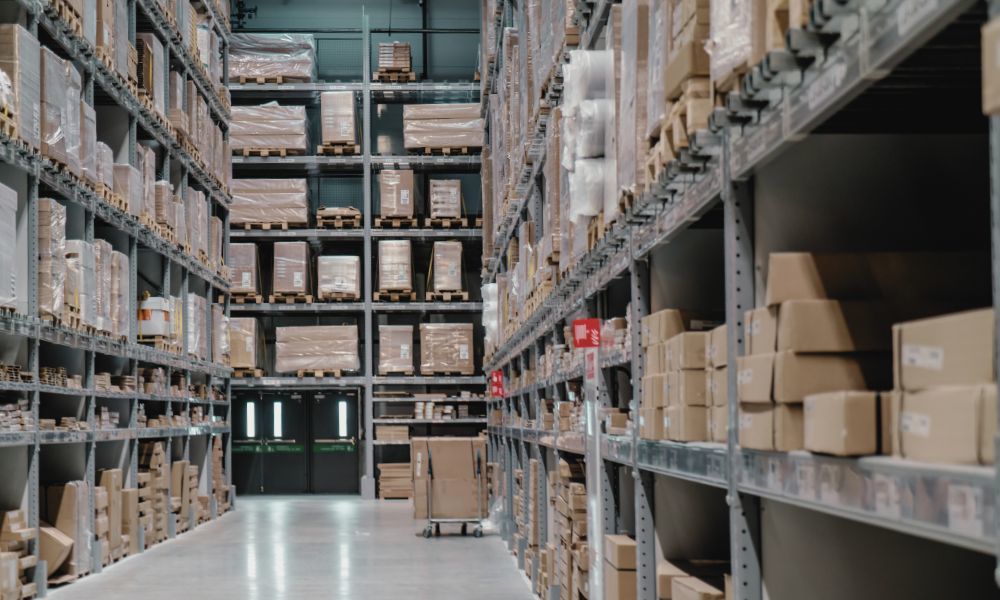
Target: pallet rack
364, 164
843, 53
36, 451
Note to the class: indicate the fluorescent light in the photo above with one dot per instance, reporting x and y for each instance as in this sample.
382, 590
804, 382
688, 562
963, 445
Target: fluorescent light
342, 418
251, 420
277, 420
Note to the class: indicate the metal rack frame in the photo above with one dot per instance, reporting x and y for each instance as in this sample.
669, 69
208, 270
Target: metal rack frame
779, 102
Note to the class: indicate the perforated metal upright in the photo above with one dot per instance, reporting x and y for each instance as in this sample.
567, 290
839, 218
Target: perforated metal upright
368, 478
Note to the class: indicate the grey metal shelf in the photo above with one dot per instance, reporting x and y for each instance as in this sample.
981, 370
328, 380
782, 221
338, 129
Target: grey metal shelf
425, 92
315, 308
390, 442
419, 162
426, 307
411, 399
383, 421
429, 380
300, 163
295, 383
428, 234
311, 235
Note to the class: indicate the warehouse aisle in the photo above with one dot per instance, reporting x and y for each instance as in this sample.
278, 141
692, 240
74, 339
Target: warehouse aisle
311, 547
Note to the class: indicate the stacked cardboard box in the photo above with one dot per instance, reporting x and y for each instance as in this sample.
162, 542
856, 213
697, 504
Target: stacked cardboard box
337, 118
51, 257
197, 316
717, 383
683, 578
291, 276
15, 559
154, 487
61, 86
130, 520
245, 343
446, 348
395, 481
393, 56
446, 266
338, 277
619, 567
272, 57
150, 71
446, 198
392, 433
243, 269
395, 265
65, 536
219, 486
570, 527
20, 57
111, 482
268, 127
184, 492
269, 201
316, 348
442, 126
449, 477
395, 349
396, 193
102, 525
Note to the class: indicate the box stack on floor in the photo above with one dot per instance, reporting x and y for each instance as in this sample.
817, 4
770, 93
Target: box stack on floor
154, 486
571, 563
16, 562
220, 489
395, 480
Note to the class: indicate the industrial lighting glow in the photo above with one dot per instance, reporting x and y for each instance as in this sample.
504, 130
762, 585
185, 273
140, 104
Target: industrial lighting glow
277, 420
251, 419
342, 418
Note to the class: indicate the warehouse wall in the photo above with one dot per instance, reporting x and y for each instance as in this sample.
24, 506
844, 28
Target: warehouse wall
452, 56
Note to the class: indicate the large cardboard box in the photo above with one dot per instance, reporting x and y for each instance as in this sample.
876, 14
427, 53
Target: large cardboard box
337, 118
447, 266
686, 350
54, 548
789, 377
395, 265
654, 391
756, 426
789, 427
316, 348
954, 424
446, 470
396, 193
819, 326
686, 423
20, 59
651, 423
619, 584
692, 588
244, 343
338, 277
687, 388
268, 127
445, 198
620, 550
446, 348
243, 269
954, 349
291, 268
111, 480
717, 348
395, 349
269, 201
843, 423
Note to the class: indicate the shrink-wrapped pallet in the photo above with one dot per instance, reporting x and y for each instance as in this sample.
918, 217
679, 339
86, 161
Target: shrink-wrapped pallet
152, 80
268, 126
51, 257
316, 348
269, 201
88, 143
105, 165
633, 145
442, 133
122, 47
458, 111
105, 33
220, 335
291, 268
395, 349
8, 247
447, 266
197, 313
180, 217
197, 217
730, 43
396, 193
146, 163
176, 108
337, 118
102, 284
244, 343
121, 313
656, 57
20, 57
163, 202
446, 348
446, 198
395, 266
338, 277
393, 56
268, 56
215, 241
243, 265
80, 281
60, 110
127, 183
491, 315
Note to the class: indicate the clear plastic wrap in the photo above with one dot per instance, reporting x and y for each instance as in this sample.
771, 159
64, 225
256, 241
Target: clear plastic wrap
88, 143
163, 201
316, 348
395, 349
180, 217
121, 313
243, 268
593, 118
197, 312
156, 317
395, 266
244, 343
176, 109
220, 335
79, 290
20, 57
127, 183
269, 201
393, 56
428, 112
632, 141
177, 331
269, 56
443, 133
446, 348
338, 275
51, 257
729, 45
102, 285
105, 165
197, 218
54, 101
291, 268
447, 267
656, 98
67, 507
105, 25
268, 126
121, 47
151, 77
74, 91
337, 118
146, 158
586, 188
396, 193
446, 198
8, 247
590, 75
214, 241
491, 315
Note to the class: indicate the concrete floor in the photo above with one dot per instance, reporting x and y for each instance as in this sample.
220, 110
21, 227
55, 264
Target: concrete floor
273, 548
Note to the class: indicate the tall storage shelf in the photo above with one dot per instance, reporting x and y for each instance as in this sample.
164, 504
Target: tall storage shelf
794, 159
65, 377
351, 179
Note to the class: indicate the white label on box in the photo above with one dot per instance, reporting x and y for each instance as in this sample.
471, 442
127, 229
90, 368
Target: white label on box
345, 128
755, 327
915, 423
746, 421
404, 197
964, 510
340, 284
666, 423
887, 496
923, 357
744, 376
297, 279
463, 352
404, 351
245, 280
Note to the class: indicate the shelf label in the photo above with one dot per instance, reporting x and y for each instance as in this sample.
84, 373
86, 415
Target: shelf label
964, 514
887, 496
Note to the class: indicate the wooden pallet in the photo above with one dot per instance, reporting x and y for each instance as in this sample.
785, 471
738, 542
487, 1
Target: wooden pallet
394, 296
268, 152
8, 124
290, 299
319, 374
455, 296
65, 12
338, 149
279, 79
446, 223
160, 342
338, 222
248, 373
444, 151
284, 226
404, 372
243, 299
595, 230
338, 297
396, 223
394, 76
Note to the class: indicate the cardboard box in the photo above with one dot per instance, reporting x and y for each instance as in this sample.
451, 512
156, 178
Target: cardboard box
718, 425
54, 548
395, 265
754, 378
692, 588
269, 201
954, 424
653, 358
244, 343
843, 423
795, 376
619, 584
686, 423
720, 386
447, 266
291, 268
395, 349
954, 349
686, 351
111, 480
337, 118
396, 193
687, 388
819, 326
991, 66
689, 60
654, 391
619, 551
446, 348
756, 426
338, 277
665, 324
316, 348
651, 423
789, 427
445, 196
717, 347
243, 269
268, 127
453, 487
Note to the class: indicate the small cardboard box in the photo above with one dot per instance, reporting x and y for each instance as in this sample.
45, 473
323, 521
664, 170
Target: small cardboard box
717, 350
619, 550
955, 349
686, 351
686, 423
654, 392
720, 386
619, 584
991, 66
718, 424
651, 423
653, 357
754, 378
819, 326
687, 388
756, 426
842, 423
789, 427
954, 424
692, 588
799, 375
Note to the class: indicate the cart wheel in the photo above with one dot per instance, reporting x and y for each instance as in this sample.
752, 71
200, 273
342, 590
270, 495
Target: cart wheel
428, 531
437, 530
464, 530
477, 532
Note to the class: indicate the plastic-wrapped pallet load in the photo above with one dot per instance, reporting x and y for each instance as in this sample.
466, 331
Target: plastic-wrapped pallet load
197, 342
291, 268
269, 201
632, 143
19, 58
425, 112
446, 198
155, 317
268, 126
215, 241
60, 110
220, 335
163, 203
151, 77
446, 348
8, 247
394, 56
51, 257
443, 133
491, 315
102, 284
197, 214
88, 142
337, 118
176, 109
316, 348
121, 47
105, 165
244, 343
267, 56
338, 277
243, 263
121, 294
656, 56
396, 193
146, 163
395, 349
79, 290
395, 268
730, 44
447, 267
127, 183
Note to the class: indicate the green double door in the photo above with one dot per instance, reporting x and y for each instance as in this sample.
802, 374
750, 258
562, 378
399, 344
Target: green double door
295, 443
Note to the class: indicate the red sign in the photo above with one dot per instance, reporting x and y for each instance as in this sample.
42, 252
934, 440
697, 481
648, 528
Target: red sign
586, 333
496, 384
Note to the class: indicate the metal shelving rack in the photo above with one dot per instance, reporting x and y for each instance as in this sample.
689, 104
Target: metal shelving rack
44, 178
795, 90
364, 164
